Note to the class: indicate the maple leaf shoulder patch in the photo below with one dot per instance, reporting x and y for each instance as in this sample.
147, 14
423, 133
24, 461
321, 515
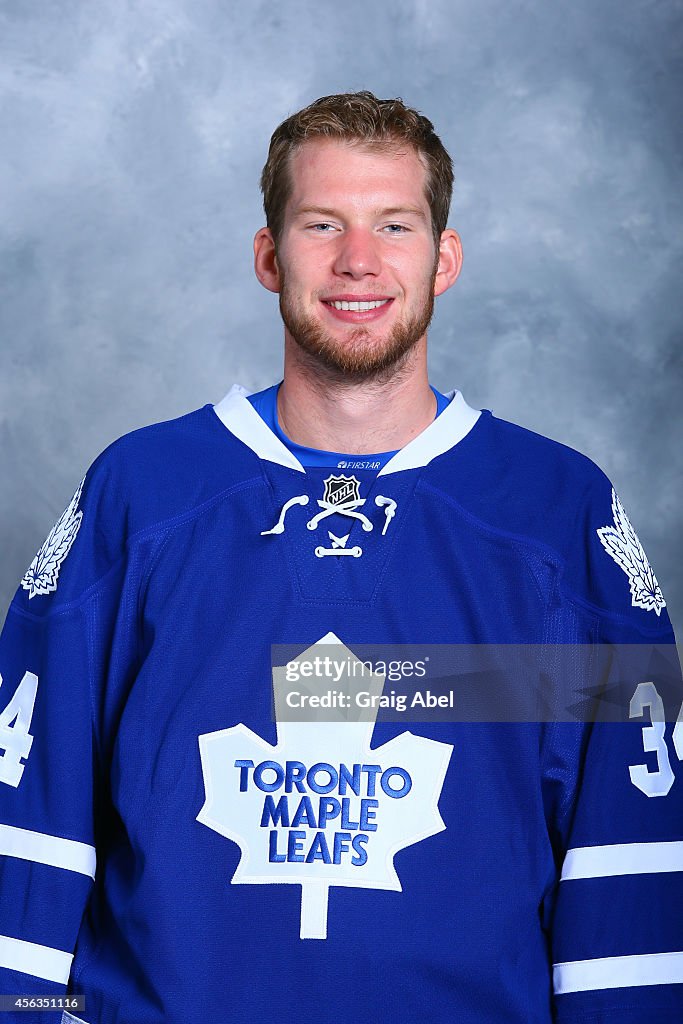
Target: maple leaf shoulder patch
42, 574
621, 543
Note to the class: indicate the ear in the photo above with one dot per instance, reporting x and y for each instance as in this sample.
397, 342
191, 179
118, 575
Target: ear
265, 260
450, 261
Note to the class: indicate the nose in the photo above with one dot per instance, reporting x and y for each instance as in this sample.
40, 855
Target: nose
357, 254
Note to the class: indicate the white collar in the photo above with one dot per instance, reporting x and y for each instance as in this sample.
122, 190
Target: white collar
443, 433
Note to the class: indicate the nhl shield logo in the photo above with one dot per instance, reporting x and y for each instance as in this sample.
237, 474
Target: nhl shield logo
341, 489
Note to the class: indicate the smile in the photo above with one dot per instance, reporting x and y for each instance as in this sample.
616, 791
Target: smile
357, 307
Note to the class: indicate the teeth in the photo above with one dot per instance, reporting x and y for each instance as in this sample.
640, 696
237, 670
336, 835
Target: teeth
358, 307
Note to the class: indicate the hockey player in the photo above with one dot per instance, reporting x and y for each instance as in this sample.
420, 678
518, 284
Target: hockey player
175, 845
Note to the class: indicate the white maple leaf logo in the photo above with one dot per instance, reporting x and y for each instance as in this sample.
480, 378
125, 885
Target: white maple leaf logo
621, 543
321, 808
43, 572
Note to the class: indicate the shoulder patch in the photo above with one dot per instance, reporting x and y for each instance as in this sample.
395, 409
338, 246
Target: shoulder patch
621, 543
43, 572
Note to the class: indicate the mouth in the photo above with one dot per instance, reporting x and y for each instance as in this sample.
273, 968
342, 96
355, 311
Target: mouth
357, 309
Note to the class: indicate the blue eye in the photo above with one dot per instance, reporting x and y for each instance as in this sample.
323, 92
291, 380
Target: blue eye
396, 229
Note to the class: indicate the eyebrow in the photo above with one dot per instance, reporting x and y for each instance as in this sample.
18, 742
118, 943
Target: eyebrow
391, 211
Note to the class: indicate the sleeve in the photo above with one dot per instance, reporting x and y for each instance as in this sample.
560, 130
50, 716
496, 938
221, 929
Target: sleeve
53, 656
47, 851
614, 789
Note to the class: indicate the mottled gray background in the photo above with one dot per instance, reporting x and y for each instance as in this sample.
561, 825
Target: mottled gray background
132, 140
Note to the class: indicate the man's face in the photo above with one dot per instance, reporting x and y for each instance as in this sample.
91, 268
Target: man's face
357, 230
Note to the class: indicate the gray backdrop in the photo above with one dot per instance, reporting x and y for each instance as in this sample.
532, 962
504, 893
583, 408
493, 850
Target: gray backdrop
132, 140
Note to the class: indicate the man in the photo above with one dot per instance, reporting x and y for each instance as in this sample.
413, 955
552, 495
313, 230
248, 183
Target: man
174, 850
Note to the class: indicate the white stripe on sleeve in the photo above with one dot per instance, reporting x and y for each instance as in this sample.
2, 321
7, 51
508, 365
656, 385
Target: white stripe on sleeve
622, 859
39, 961
44, 849
618, 972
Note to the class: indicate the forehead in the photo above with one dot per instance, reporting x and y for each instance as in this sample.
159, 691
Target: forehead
329, 172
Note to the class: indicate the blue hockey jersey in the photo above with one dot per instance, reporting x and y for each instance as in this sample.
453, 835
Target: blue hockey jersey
174, 852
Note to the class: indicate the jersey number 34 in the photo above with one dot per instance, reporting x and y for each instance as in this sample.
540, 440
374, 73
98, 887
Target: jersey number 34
15, 722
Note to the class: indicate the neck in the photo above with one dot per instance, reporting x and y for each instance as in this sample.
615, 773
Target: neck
329, 412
